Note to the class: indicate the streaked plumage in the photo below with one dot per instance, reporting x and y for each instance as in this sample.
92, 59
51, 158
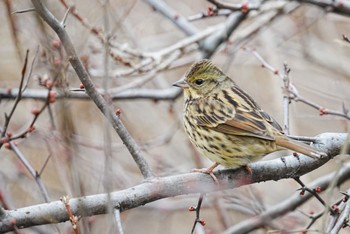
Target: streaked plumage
226, 124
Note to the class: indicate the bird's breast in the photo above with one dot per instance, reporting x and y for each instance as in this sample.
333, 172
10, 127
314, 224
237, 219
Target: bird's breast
225, 149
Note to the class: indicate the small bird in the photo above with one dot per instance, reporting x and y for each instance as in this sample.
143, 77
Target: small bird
225, 124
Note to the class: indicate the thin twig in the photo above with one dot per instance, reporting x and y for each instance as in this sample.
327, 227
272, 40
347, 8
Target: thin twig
305, 188
314, 218
18, 99
31, 171
24, 11
31, 69
198, 210
294, 94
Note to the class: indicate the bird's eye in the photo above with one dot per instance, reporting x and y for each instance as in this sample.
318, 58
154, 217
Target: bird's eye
199, 81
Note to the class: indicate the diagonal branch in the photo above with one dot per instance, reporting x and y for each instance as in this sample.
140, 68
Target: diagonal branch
18, 97
85, 79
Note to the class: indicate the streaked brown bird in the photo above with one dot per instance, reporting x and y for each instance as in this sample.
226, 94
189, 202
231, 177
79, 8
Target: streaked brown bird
226, 124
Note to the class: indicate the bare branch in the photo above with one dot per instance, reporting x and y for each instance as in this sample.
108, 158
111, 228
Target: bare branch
41, 94
31, 170
197, 209
18, 98
162, 187
84, 77
287, 205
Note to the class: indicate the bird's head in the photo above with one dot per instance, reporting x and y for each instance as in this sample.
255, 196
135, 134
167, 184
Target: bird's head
201, 80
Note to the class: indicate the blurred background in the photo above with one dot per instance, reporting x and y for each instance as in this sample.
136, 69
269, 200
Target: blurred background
69, 144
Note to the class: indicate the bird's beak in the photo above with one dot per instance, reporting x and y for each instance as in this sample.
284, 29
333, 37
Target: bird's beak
181, 84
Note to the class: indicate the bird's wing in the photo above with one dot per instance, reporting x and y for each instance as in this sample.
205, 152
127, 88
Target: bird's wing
234, 112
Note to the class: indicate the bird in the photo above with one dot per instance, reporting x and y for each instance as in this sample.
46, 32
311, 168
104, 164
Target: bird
226, 125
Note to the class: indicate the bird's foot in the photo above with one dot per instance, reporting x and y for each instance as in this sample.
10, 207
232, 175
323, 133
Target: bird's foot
209, 171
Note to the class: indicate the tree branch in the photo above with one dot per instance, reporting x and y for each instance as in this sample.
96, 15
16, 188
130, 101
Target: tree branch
96, 96
158, 188
41, 94
288, 204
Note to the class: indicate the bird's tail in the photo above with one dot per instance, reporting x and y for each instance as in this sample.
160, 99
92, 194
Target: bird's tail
299, 147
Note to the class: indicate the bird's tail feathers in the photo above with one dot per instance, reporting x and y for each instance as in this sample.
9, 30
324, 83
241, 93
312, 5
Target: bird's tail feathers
299, 147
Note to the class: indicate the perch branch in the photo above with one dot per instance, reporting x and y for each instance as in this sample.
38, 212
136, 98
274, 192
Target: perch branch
162, 187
